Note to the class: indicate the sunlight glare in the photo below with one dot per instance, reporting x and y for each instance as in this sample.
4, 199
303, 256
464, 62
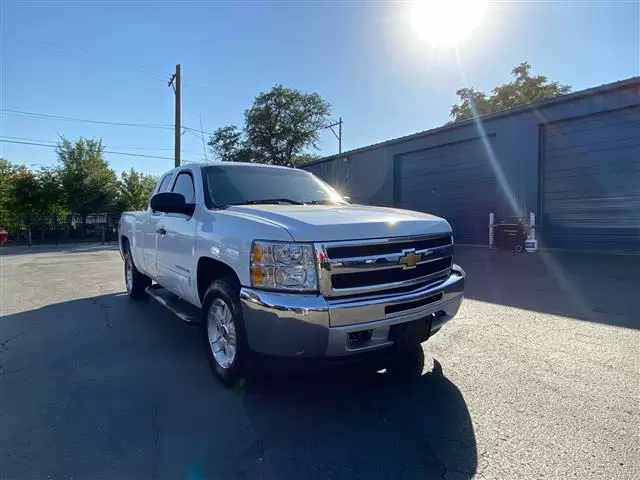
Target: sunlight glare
446, 23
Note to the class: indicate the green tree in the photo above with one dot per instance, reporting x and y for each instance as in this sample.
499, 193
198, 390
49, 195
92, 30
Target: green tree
523, 89
134, 190
280, 125
26, 196
90, 186
470, 98
36, 197
8, 172
52, 195
229, 145
303, 158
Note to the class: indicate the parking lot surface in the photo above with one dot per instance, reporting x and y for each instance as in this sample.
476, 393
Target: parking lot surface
538, 377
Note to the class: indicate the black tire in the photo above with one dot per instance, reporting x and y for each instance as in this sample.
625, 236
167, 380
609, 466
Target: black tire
226, 291
406, 363
139, 281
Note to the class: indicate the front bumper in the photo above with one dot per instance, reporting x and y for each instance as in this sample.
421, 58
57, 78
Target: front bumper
293, 325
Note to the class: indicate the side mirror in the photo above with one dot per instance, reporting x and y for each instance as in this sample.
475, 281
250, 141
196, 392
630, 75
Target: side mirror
346, 199
171, 202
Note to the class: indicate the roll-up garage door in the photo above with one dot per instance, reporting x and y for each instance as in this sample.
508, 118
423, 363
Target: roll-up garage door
591, 182
452, 181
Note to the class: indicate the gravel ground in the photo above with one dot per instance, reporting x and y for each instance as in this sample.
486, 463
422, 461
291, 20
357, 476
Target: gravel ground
538, 377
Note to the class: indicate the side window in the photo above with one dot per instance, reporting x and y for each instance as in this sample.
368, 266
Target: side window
164, 184
184, 185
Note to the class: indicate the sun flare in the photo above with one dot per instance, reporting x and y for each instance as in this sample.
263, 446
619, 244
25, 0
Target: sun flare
446, 23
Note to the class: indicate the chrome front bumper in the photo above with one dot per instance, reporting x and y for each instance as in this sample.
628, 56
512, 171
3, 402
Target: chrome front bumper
294, 325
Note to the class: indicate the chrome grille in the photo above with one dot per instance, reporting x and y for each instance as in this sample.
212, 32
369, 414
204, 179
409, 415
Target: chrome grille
362, 267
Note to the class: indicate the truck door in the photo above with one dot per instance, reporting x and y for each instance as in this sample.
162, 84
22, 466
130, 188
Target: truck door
150, 230
175, 246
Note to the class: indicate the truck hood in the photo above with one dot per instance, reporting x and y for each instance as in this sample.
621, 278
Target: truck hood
319, 223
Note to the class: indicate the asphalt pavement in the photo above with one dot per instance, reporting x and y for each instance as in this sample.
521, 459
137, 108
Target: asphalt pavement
538, 377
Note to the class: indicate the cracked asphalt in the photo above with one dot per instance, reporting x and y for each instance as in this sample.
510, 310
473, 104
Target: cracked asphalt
538, 377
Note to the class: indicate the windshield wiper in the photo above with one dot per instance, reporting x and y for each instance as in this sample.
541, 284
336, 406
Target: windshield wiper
270, 201
325, 201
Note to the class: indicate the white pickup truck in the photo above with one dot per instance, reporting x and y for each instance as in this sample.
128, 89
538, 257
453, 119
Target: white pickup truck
273, 262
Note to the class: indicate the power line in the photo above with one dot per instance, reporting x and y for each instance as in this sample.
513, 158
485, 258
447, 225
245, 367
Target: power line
198, 132
90, 56
63, 49
195, 84
45, 116
22, 113
39, 144
108, 145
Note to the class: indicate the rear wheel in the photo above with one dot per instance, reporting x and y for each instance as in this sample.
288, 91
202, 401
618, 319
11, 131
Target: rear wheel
223, 332
135, 281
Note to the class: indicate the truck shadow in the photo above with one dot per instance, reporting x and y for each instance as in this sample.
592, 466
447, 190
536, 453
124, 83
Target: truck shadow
105, 387
335, 424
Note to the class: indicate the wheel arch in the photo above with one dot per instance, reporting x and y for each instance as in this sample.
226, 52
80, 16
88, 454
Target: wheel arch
124, 245
210, 269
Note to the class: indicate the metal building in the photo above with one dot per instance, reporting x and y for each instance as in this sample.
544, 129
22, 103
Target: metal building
573, 160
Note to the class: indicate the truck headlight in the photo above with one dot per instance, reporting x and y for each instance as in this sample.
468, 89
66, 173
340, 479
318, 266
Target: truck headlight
283, 266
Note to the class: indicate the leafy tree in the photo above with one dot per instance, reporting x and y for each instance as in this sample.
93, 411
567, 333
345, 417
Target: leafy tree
524, 89
229, 145
26, 196
82, 183
470, 98
88, 182
134, 190
36, 197
283, 122
8, 172
303, 158
278, 127
52, 195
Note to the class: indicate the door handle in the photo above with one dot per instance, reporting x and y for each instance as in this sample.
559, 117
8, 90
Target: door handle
161, 231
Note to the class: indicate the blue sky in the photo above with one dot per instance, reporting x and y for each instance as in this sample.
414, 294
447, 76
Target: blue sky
110, 61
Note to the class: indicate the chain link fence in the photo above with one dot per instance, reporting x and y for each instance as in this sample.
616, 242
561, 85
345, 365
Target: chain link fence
97, 227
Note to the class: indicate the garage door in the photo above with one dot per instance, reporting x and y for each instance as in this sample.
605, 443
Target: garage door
591, 182
453, 181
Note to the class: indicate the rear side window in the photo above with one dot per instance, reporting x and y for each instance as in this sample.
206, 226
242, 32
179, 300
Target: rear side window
164, 184
184, 185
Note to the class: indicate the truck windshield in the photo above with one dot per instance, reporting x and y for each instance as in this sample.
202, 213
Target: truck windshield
242, 185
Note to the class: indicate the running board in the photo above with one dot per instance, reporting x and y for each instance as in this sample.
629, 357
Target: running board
184, 310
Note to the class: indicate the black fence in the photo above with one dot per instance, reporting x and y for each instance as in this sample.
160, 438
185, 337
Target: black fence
100, 227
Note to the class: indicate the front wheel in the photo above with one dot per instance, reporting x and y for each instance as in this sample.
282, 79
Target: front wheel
135, 281
223, 332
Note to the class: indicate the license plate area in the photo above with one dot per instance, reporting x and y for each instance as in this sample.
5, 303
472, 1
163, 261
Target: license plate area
411, 333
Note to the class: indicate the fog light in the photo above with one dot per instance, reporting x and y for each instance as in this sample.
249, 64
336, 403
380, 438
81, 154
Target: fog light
360, 336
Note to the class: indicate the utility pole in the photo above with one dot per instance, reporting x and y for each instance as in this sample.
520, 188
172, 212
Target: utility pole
174, 82
337, 135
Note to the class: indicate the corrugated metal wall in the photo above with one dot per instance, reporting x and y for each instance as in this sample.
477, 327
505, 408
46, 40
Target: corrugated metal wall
453, 181
591, 182
397, 172
367, 178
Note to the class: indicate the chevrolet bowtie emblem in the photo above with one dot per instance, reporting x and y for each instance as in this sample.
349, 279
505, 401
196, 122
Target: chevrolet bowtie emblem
410, 259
